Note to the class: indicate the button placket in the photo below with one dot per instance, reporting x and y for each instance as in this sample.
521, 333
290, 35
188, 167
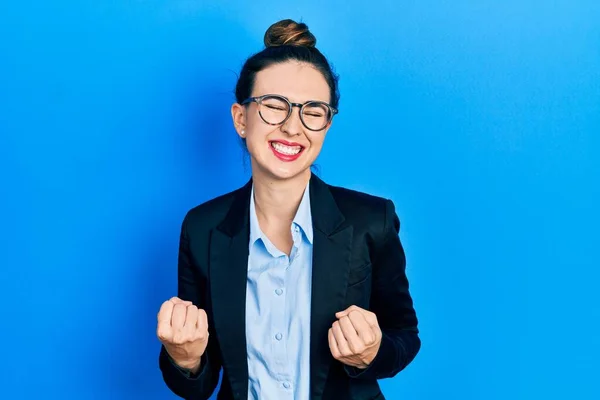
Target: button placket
279, 317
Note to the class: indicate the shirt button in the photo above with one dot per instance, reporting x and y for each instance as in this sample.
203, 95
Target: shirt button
278, 336
279, 291
286, 385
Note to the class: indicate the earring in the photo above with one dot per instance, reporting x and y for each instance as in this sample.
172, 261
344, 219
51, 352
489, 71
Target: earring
243, 132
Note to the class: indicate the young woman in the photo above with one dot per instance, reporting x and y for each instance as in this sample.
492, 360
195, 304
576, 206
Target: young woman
295, 288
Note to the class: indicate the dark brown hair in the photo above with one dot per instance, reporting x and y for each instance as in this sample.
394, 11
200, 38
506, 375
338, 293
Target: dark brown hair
286, 40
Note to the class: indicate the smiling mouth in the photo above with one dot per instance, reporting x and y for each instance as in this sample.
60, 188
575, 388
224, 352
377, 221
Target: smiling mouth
285, 149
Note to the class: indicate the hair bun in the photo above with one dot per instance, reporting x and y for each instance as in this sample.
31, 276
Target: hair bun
289, 33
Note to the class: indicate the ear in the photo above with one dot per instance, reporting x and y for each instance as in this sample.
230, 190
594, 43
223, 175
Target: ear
238, 115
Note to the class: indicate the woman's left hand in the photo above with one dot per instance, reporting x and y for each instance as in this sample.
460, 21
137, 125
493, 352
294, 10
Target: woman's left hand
355, 337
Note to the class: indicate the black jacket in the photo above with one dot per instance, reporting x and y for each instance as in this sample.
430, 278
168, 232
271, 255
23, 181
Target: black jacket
357, 259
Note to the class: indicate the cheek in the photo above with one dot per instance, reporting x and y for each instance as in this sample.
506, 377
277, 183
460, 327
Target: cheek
316, 142
252, 144
256, 137
252, 120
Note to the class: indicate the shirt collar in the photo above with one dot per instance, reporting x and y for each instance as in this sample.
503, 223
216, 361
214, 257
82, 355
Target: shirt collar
303, 217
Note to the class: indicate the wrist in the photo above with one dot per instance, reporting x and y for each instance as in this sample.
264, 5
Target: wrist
190, 365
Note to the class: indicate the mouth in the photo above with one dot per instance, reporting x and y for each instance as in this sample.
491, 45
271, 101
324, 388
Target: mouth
286, 151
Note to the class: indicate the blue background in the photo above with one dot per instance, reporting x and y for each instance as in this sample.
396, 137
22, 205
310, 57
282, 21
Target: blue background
479, 119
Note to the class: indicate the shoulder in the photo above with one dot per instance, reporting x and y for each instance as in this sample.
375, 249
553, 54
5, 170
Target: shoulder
364, 208
209, 214
349, 199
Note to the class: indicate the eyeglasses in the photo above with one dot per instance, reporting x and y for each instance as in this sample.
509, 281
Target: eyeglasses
275, 110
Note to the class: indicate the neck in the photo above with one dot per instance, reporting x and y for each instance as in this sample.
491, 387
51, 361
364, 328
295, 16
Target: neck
278, 199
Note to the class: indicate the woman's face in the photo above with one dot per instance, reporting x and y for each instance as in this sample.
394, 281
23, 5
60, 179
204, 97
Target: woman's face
288, 150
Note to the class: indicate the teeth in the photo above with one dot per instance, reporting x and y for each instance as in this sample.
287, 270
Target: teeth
289, 150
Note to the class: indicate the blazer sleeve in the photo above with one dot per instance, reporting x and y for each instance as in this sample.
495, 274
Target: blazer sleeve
181, 382
391, 302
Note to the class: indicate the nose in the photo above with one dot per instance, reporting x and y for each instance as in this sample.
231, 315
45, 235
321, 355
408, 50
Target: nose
293, 125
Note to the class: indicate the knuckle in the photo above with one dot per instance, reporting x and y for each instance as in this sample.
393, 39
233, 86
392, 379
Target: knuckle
162, 333
192, 307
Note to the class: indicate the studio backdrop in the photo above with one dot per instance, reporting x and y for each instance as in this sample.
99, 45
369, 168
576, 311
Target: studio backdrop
479, 119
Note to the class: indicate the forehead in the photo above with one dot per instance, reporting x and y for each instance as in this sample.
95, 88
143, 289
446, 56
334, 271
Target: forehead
297, 81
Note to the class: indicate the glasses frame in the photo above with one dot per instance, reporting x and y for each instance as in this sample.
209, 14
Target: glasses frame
258, 100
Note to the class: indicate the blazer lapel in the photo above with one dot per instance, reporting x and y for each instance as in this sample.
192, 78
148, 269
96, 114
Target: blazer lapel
331, 263
228, 274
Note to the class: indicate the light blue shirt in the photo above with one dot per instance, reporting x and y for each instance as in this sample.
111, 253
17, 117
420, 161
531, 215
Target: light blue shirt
278, 301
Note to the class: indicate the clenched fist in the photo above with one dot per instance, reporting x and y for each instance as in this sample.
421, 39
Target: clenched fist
354, 339
183, 330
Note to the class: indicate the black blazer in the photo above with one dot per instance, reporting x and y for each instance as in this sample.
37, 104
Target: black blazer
357, 259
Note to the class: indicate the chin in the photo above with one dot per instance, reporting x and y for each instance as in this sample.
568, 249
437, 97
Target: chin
278, 169
284, 172
287, 173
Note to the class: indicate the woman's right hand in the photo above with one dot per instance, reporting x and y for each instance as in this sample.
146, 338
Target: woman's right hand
183, 330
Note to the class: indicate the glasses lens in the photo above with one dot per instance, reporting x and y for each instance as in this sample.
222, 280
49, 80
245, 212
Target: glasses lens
274, 110
316, 115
